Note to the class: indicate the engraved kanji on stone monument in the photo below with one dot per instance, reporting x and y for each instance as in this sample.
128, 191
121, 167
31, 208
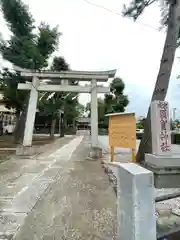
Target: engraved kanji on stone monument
165, 146
160, 128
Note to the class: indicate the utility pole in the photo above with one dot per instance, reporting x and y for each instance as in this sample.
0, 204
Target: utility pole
174, 114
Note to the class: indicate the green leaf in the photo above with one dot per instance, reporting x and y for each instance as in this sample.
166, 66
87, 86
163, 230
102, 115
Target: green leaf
18, 17
24, 49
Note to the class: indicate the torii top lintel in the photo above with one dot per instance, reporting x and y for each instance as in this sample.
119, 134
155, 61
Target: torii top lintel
100, 76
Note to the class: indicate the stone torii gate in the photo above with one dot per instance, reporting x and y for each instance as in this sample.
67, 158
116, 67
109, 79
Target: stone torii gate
58, 82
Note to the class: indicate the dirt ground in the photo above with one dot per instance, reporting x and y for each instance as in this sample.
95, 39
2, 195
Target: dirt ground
8, 148
6, 141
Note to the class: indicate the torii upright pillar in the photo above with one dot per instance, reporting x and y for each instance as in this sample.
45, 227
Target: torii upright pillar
94, 114
96, 151
26, 148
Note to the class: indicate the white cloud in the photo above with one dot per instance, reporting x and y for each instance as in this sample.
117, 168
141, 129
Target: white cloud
95, 39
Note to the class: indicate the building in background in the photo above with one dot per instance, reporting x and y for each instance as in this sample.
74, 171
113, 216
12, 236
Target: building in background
7, 116
83, 123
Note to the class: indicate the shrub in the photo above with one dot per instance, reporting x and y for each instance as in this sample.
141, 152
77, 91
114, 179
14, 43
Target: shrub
175, 138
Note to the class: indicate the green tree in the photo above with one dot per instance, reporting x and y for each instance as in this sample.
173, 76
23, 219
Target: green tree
54, 105
116, 101
59, 64
171, 19
51, 106
24, 49
141, 124
70, 102
64, 101
101, 110
80, 108
72, 110
177, 123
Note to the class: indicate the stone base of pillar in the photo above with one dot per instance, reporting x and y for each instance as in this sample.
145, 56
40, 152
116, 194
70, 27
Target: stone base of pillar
95, 153
25, 151
163, 160
166, 170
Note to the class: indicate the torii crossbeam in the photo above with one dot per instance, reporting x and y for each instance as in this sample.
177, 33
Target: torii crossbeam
58, 82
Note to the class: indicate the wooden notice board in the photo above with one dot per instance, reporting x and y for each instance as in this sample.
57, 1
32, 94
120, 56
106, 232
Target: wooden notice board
122, 130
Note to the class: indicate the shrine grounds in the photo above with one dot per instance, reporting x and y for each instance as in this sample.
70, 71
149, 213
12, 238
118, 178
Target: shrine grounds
59, 194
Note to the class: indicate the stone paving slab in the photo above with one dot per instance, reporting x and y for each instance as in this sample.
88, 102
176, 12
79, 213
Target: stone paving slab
24, 179
51, 173
36, 168
10, 223
9, 177
11, 189
27, 198
9, 173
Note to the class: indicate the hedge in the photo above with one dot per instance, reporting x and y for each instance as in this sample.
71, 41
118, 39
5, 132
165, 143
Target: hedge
102, 131
139, 135
175, 137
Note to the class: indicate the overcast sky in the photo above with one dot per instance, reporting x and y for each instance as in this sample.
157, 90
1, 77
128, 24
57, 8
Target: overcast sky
96, 39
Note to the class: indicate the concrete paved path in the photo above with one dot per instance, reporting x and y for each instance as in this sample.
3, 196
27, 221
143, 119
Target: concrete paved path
22, 182
59, 196
78, 204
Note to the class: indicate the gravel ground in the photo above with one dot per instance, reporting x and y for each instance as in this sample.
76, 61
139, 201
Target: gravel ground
79, 204
167, 212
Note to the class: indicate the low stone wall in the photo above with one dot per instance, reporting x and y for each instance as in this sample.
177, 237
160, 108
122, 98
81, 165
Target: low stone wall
130, 217
166, 220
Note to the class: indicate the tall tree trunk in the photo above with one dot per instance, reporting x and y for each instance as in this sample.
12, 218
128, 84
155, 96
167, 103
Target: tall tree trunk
163, 77
18, 113
21, 121
53, 125
62, 126
65, 121
20, 127
74, 125
59, 125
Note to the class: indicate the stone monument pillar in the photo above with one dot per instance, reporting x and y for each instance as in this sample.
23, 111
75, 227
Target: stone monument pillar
164, 164
161, 135
96, 151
